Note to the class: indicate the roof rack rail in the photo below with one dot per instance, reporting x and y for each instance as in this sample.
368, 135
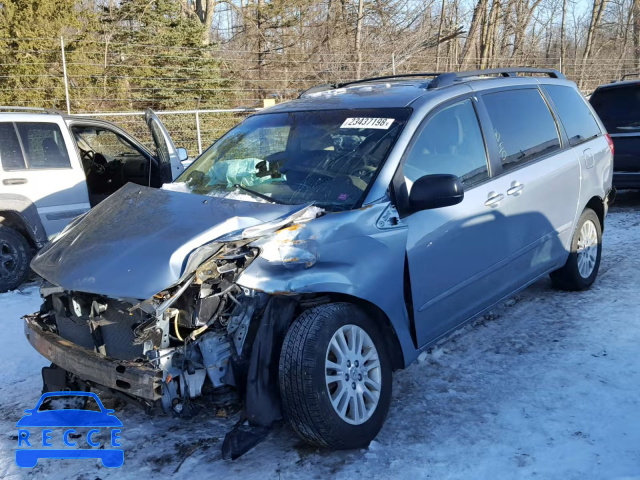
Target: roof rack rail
331, 86
31, 109
388, 77
447, 79
630, 75
441, 79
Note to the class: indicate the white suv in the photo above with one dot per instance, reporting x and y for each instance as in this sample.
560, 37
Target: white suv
54, 167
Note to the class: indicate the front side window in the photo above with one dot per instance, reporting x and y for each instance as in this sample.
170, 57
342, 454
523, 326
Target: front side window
574, 113
106, 142
43, 145
618, 108
522, 124
10, 152
450, 142
328, 157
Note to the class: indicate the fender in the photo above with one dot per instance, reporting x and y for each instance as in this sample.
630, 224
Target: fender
26, 211
348, 257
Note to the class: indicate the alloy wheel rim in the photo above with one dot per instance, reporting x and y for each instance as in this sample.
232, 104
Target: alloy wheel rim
587, 249
353, 374
8, 259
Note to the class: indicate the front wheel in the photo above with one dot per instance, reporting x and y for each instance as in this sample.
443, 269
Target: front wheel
15, 255
335, 377
583, 263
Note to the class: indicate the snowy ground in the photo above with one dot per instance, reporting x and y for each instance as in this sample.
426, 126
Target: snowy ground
548, 386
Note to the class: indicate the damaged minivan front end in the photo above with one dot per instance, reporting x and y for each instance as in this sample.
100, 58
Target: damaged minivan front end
176, 339
185, 341
199, 290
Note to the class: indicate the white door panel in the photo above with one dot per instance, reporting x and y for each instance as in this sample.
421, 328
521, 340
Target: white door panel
53, 179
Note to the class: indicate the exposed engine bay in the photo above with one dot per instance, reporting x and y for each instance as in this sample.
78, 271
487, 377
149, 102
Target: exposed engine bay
189, 332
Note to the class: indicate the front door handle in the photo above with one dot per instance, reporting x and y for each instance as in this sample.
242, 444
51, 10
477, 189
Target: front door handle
516, 188
14, 181
494, 199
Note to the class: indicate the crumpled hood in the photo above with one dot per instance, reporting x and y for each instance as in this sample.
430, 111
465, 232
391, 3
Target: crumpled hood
136, 242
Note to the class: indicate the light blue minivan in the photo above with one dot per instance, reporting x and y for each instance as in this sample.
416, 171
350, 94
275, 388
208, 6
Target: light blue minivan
325, 242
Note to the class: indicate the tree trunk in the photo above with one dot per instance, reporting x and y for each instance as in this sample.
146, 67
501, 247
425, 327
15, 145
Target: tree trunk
596, 15
210, 6
523, 19
486, 52
563, 23
442, 12
636, 33
472, 36
359, 39
628, 28
261, 45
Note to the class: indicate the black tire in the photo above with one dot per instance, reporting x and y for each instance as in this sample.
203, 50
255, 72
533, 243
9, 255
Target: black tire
305, 398
15, 255
569, 277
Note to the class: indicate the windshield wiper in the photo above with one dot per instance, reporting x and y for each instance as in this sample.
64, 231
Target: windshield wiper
258, 194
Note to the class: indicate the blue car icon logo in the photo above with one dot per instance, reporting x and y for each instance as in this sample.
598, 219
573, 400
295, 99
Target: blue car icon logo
41, 421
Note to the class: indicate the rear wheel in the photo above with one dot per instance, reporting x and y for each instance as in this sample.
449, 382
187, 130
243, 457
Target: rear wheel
15, 255
335, 377
583, 263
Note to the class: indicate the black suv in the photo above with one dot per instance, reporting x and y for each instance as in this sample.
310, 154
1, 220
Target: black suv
618, 106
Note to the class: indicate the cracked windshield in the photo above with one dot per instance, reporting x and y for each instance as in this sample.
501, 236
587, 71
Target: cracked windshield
328, 157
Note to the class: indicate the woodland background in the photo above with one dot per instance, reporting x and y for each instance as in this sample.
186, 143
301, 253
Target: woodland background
128, 55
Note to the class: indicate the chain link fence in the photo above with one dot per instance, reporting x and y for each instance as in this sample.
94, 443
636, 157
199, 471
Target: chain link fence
202, 92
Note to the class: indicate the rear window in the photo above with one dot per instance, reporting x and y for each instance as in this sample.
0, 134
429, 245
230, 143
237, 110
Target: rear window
10, 153
43, 145
618, 108
522, 124
575, 115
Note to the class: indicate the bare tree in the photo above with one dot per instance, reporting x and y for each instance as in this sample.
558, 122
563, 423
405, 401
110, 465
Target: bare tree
358, 43
563, 23
472, 36
596, 15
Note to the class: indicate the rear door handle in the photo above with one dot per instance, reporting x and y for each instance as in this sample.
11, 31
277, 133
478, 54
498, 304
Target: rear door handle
494, 199
14, 181
516, 188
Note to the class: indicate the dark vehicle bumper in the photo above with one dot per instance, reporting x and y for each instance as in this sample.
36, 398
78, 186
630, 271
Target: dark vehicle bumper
128, 377
622, 180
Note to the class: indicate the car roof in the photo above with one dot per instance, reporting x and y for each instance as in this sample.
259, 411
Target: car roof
43, 115
392, 94
401, 91
617, 84
40, 115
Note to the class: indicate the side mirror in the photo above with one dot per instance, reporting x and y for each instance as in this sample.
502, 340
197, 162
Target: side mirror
182, 154
435, 191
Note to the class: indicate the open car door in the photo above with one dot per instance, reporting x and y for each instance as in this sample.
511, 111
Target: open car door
169, 157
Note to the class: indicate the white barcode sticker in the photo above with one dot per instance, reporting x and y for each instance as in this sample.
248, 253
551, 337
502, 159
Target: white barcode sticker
363, 122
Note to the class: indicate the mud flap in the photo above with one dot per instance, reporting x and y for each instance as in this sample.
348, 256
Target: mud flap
54, 379
262, 407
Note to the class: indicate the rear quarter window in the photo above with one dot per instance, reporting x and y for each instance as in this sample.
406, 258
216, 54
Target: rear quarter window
618, 108
522, 125
575, 115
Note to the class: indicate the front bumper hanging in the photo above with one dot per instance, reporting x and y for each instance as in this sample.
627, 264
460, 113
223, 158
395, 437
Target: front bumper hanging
128, 377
